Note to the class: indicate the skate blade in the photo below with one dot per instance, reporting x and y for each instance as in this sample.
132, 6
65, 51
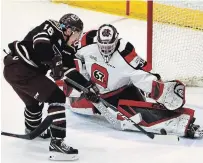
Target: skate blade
56, 156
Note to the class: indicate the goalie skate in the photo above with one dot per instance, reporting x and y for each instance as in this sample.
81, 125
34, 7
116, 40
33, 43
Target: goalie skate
194, 131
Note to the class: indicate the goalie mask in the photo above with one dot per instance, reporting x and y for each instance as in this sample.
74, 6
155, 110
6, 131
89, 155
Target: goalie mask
107, 39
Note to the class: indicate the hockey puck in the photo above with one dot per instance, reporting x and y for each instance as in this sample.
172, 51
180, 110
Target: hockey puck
163, 132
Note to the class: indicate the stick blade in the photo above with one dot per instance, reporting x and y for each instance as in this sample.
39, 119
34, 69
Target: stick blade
169, 139
41, 128
16, 135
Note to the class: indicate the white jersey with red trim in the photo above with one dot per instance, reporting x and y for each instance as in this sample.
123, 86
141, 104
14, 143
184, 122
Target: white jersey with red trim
125, 66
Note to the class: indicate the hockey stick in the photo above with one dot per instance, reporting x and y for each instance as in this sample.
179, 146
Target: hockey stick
163, 137
149, 134
108, 115
32, 135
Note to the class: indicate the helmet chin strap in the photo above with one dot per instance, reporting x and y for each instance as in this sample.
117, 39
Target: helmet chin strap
68, 36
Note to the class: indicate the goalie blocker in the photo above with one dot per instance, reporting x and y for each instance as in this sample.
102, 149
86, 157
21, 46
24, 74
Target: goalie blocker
130, 101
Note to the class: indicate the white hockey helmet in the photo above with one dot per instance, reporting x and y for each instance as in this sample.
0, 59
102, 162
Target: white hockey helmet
107, 39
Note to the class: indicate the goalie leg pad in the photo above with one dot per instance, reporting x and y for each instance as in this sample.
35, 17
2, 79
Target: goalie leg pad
155, 118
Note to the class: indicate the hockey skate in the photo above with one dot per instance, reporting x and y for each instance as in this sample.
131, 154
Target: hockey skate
194, 131
60, 151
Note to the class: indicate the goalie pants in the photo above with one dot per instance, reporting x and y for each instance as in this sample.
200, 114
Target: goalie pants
125, 93
34, 88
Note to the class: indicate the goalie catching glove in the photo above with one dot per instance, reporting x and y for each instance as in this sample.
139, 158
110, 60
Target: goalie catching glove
171, 94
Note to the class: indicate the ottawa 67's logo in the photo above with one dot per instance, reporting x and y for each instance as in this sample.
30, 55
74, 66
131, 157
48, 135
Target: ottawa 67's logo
99, 75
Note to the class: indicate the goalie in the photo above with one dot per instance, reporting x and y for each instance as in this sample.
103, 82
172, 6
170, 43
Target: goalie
117, 74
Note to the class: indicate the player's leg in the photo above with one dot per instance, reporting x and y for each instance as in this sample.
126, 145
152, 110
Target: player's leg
42, 89
16, 74
49, 92
32, 113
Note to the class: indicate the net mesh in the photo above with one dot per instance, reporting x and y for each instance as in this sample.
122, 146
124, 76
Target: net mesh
178, 41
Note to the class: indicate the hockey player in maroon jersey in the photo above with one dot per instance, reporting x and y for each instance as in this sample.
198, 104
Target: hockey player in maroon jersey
119, 74
49, 46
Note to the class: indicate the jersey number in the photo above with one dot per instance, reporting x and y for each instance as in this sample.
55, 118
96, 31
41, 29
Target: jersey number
50, 30
99, 75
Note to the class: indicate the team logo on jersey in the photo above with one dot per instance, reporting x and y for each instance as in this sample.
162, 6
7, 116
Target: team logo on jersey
99, 75
36, 96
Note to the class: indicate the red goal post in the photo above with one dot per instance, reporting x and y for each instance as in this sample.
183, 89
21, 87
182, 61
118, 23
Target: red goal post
175, 40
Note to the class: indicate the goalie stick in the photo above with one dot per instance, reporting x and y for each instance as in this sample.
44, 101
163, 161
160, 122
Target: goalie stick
32, 135
108, 115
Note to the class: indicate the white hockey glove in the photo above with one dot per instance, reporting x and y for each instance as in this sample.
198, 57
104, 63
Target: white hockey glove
171, 94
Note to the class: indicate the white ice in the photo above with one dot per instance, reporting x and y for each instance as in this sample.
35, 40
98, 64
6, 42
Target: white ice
96, 140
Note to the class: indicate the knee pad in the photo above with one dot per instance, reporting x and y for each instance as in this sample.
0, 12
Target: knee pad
57, 96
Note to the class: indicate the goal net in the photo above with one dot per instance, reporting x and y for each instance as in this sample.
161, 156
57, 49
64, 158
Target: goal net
175, 40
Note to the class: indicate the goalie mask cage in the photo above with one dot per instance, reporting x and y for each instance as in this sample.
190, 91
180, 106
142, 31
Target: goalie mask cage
175, 40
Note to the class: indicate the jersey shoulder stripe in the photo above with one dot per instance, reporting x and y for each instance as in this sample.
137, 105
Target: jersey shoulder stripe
88, 38
127, 51
47, 31
41, 37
